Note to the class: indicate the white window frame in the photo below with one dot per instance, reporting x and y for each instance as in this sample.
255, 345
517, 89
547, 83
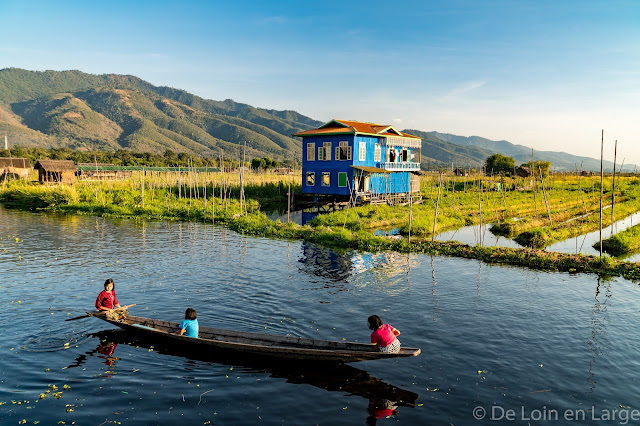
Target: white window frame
345, 179
322, 182
343, 145
313, 176
362, 151
327, 151
377, 153
311, 151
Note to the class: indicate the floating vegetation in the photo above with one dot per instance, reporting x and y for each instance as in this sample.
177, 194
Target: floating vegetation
623, 243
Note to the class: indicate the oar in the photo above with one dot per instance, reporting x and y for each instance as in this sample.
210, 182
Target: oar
98, 313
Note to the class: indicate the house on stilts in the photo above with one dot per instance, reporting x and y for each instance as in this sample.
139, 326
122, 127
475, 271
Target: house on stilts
363, 162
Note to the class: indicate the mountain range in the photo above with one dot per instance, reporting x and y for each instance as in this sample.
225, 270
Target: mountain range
109, 112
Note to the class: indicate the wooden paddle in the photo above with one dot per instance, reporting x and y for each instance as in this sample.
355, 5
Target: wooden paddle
98, 313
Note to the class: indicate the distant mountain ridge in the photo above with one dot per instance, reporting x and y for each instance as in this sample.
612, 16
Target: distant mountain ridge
522, 154
110, 112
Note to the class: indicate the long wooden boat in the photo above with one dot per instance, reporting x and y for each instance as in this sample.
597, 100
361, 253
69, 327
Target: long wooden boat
256, 344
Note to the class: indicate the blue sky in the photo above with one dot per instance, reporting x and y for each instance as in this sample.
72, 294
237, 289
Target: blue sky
546, 74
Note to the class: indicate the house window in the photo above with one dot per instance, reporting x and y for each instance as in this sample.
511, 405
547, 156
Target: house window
343, 152
320, 152
376, 153
311, 152
311, 179
342, 179
326, 179
327, 151
405, 155
363, 151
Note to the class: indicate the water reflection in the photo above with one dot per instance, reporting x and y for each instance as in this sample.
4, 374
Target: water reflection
599, 321
384, 398
434, 293
342, 266
474, 234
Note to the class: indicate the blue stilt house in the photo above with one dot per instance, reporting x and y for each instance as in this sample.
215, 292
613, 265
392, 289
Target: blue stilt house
365, 160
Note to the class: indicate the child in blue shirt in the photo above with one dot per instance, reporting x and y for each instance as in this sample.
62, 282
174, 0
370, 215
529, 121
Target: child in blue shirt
189, 327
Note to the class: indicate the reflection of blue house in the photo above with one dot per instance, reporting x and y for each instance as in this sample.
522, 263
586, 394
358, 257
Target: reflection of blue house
344, 158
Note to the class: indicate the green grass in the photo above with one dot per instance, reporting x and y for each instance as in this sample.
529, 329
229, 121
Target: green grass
623, 243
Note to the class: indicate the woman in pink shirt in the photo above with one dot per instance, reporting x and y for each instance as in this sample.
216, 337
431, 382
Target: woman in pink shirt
384, 336
107, 299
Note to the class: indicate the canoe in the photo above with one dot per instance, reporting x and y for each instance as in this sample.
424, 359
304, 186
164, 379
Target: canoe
256, 344
333, 377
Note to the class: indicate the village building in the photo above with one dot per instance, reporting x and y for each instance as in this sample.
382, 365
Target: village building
459, 171
14, 168
345, 159
62, 171
523, 171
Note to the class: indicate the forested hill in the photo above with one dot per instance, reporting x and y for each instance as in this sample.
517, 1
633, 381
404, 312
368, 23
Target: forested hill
110, 112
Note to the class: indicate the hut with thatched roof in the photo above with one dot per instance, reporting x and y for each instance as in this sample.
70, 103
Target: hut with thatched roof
459, 171
55, 171
14, 168
523, 171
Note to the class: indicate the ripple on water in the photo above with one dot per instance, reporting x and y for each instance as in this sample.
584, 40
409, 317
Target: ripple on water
56, 336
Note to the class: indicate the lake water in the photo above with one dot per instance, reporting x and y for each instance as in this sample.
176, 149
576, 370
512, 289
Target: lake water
515, 343
584, 243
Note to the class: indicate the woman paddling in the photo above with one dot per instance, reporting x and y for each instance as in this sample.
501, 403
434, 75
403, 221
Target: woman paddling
107, 299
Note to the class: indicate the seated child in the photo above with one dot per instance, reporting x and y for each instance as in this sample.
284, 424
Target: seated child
384, 336
189, 327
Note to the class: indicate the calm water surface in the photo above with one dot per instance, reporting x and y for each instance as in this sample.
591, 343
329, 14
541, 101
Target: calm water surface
501, 338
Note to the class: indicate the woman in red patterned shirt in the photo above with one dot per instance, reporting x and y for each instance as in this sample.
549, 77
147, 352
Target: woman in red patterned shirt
107, 298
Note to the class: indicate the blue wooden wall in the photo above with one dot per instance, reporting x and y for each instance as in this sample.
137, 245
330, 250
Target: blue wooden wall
397, 182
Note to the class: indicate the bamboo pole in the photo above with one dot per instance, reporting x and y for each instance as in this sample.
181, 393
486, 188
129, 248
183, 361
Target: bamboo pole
435, 216
546, 198
601, 186
480, 208
613, 184
533, 180
495, 207
289, 199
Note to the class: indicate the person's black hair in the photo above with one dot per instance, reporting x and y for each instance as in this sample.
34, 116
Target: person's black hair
190, 314
374, 322
109, 281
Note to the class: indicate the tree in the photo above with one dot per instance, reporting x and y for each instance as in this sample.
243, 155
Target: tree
499, 164
267, 163
257, 163
170, 156
538, 166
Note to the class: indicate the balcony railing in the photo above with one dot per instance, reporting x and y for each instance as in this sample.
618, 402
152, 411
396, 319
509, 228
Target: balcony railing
403, 166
